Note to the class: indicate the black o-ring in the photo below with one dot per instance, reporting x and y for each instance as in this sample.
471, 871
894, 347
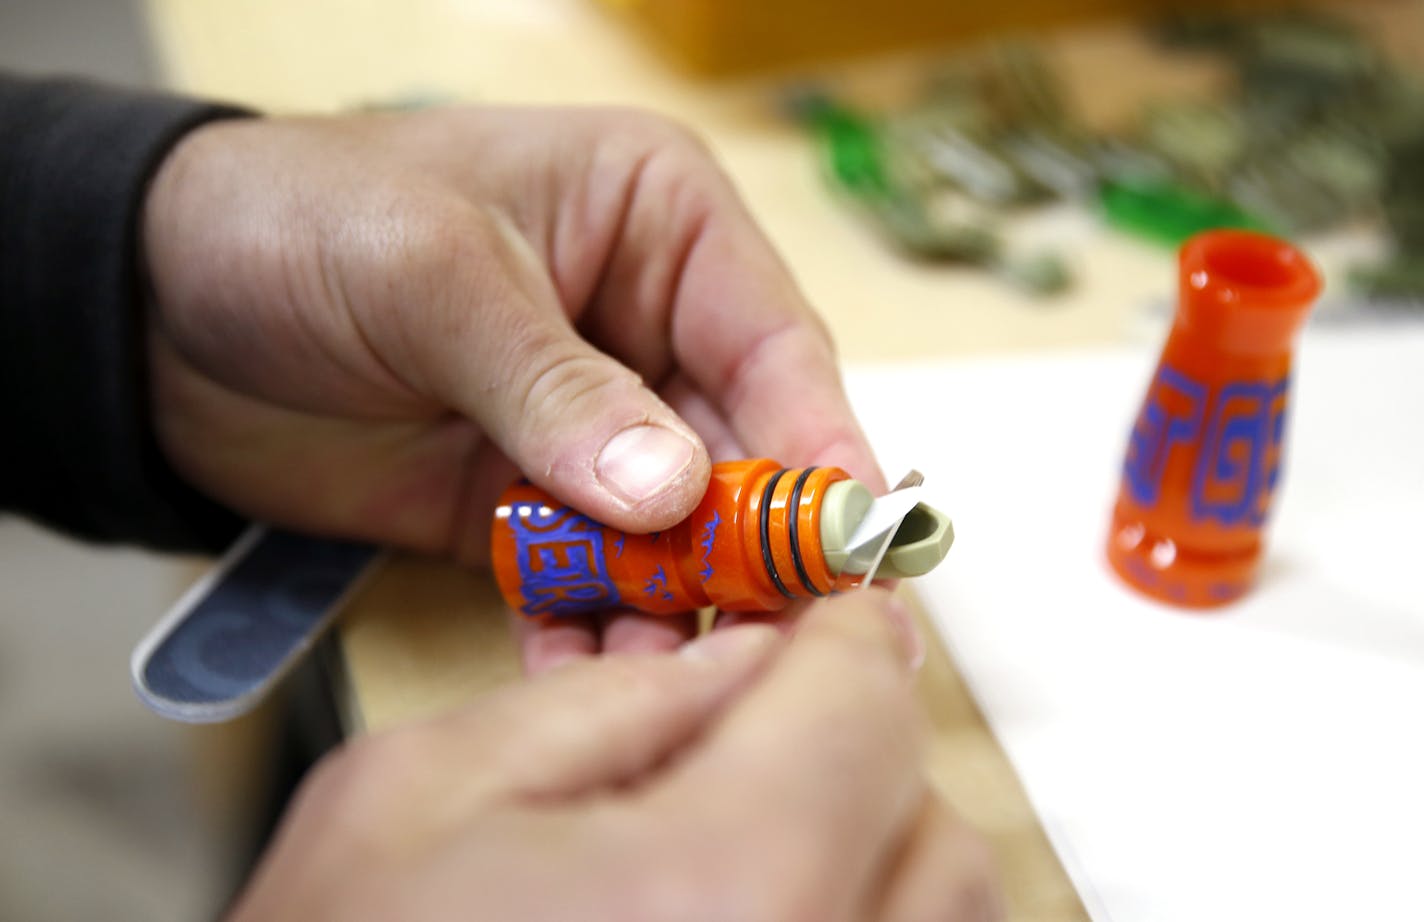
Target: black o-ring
766, 557
796, 534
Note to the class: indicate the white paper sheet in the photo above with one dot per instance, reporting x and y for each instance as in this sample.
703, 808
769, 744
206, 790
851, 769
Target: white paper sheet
1263, 762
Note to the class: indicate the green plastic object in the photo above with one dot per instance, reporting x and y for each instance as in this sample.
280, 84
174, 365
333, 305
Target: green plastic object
1168, 213
853, 151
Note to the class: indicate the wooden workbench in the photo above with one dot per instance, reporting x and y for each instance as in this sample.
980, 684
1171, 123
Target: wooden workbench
426, 636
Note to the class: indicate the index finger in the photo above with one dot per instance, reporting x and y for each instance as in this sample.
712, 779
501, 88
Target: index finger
745, 334
690, 260
820, 760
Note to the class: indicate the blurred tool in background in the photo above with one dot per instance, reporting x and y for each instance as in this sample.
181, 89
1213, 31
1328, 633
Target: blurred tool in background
732, 36
1316, 134
895, 182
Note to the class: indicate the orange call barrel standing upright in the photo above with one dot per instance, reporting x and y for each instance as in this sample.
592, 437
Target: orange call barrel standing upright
762, 537
1205, 454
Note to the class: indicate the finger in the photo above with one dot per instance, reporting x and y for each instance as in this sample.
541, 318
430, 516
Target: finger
689, 259
637, 632
705, 418
944, 874
493, 343
828, 742
543, 645
488, 473
784, 621
597, 722
902, 621
785, 400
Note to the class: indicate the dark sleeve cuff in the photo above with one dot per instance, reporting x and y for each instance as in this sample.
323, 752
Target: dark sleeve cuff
77, 446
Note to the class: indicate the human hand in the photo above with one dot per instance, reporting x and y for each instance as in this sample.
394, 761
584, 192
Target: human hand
363, 327
735, 780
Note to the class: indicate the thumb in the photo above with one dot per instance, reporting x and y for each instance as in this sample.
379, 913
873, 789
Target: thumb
575, 421
598, 722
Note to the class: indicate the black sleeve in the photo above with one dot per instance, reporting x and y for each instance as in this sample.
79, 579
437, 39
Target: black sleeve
77, 447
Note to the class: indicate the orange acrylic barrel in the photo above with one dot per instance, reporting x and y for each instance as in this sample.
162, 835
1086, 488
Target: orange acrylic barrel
1205, 454
752, 544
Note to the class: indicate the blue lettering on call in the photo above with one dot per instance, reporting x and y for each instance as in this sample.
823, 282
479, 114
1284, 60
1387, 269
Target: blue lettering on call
1239, 464
657, 586
1237, 467
706, 542
560, 557
1172, 414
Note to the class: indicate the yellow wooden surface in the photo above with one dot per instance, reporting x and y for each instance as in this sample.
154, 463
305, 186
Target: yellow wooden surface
424, 636
726, 36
